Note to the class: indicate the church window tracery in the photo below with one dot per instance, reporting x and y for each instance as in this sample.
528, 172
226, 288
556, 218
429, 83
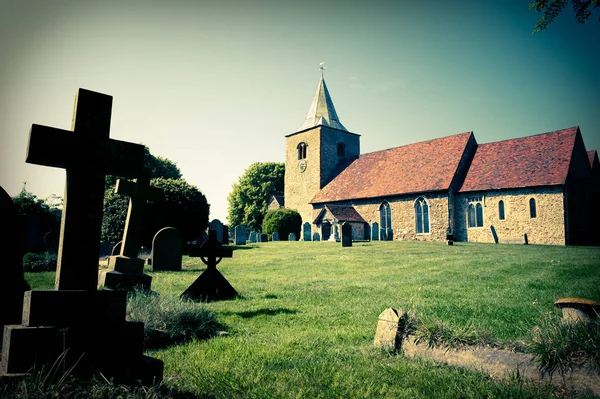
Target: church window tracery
385, 216
421, 216
475, 212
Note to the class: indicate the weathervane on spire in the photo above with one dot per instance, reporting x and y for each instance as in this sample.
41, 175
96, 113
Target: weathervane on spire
322, 68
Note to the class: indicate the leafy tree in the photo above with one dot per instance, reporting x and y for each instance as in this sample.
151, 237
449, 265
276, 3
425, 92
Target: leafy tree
249, 198
159, 167
551, 8
283, 221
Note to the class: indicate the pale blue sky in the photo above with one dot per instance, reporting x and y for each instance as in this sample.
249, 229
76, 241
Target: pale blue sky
216, 85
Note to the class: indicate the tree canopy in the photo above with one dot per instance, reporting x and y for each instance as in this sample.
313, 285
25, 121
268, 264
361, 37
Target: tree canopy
249, 198
283, 221
159, 167
551, 8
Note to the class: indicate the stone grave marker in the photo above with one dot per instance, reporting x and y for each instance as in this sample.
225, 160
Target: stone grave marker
253, 237
375, 231
240, 235
51, 241
210, 285
275, 236
225, 235
88, 325
390, 330
217, 226
494, 235
292, 237
335, 233
12, 283
167, 249
306, 232
264, 237
525, 239
346, 235
117, 249
126, 270
316, 236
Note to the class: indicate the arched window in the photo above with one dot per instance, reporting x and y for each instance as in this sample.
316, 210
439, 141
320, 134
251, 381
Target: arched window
421, 216
385, 217
341, 150
532, 210
302, 151
471, 216
479, 214
475, 211
501, 210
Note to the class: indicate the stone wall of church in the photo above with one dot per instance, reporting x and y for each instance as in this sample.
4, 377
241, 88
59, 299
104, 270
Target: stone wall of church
548, 227
331, 163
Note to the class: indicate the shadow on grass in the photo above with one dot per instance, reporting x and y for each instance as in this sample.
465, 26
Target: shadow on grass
262, 312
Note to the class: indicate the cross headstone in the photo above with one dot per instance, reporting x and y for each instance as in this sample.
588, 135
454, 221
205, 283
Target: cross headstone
126, 270
253, 236
167, 248
375, 231
217, 226
316, 236
275, 236
390, 330
335, 233
346, 235
306, 232
240, 235
292, 237
210, 285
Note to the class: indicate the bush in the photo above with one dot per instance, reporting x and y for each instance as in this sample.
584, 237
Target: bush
169, 320
45, 262
283, 221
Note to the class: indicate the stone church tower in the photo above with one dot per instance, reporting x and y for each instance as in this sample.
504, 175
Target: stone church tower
316, 153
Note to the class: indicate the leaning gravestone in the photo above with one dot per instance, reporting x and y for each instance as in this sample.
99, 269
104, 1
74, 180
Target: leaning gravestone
12, 283
390, 330
494, 235
292, 237
275, 236
253, 237
375, 231
167, 248
346, 235
87, 325
126, 270
316, 236
217, 226
210, 285
240, 235
306, 233
117, 249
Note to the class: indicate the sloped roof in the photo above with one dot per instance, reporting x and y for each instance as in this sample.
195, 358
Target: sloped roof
344, 213
420, 167
593, 157
539, 160
321, 111
279, 199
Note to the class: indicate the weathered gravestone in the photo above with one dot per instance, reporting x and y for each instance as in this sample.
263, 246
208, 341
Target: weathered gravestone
292, 237
51, 241
12, 283
117, 249
211, 285
346, 235
316, 236
264, 237
86, 325
375, 231
217, 226
494, 235
275, 236
240, 235
167, 248
306, 232
390, 330
225, 235
253, 237
335, 233
126, 270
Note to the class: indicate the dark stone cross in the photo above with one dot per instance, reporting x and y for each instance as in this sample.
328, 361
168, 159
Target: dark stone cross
210, 285
88, 155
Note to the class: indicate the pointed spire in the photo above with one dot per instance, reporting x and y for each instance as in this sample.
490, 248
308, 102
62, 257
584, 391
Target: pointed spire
322, 112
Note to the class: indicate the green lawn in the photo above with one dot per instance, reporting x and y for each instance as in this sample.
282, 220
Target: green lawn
304, 324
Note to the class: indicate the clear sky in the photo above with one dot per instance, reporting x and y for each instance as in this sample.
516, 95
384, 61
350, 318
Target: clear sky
216, 85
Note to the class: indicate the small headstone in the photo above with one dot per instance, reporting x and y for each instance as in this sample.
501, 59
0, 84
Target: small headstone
306, 232
51, 241
494, 235
167, 248
117, 249
264, 237
449, 242
240, 235
275, 236
375, 231
292, 237
217, 226
346, 235
225, 235
525, 239
253, 237
390, 330
316, 236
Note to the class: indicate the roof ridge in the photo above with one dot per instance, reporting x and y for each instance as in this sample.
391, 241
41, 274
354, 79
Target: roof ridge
533, 135
418, 142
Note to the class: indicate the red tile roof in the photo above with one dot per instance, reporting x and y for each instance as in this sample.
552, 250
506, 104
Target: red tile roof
592, 156
425, 166
540, 160
344, 213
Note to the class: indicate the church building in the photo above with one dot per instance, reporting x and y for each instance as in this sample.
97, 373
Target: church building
538, 189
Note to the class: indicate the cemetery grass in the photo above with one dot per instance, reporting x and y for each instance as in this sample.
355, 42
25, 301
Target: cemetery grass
307, 313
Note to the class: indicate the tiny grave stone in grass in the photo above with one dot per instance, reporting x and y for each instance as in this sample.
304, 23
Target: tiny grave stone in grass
210, 285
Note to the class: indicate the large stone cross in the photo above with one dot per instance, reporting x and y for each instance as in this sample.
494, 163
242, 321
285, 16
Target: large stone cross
88, 154
138, 192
